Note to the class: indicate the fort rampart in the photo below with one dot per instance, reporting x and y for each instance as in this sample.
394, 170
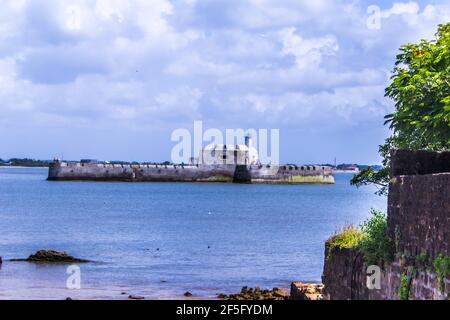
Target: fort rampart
288, 174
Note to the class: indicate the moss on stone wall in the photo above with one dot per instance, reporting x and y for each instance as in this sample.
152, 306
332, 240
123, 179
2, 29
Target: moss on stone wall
311, 179
217, 178
442, 268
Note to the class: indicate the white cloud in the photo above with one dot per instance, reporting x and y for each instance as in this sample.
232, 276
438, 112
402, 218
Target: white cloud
84, 68
308, 52
195, 65
346, 104
183, 99
401, 9
113, 61
265, 13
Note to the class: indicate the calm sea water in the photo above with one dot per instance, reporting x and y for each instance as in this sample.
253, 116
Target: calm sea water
212, 238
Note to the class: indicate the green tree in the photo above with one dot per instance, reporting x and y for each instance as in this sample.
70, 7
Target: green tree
420, 89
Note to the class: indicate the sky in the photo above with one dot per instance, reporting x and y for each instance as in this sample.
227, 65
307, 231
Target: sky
112, 79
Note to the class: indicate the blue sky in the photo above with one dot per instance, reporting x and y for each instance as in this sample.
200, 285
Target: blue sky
112, 79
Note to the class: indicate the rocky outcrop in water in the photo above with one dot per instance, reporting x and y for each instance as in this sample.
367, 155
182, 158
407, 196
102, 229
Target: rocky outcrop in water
51, 256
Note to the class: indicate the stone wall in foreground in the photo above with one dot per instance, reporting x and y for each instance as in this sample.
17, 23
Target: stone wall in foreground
419, 224
345, 276
419, 214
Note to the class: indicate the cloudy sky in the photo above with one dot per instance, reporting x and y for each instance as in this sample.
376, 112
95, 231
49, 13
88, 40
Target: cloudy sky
111, 79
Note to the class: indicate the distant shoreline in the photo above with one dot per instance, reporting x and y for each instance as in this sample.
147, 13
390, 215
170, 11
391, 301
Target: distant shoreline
22, 167
344, 171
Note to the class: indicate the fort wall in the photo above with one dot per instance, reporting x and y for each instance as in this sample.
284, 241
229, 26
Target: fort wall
289, 174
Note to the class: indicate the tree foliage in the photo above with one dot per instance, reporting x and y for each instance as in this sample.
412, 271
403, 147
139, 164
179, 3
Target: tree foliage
420, 89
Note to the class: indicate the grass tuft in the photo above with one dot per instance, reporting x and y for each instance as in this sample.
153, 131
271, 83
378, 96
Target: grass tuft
371, 239
348, 237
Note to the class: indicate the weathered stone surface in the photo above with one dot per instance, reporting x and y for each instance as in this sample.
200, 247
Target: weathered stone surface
258, 294
280, 293
242, 175
405, 162
343, 282
51, 256
306, 291
344, 276
419, 214
61, 171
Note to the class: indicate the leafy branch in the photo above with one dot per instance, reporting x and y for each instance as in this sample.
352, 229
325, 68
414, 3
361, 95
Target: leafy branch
421, 92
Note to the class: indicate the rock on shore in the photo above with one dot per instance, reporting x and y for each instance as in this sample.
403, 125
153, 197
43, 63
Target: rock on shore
299, 291
306, 291
51, 256
257, 294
